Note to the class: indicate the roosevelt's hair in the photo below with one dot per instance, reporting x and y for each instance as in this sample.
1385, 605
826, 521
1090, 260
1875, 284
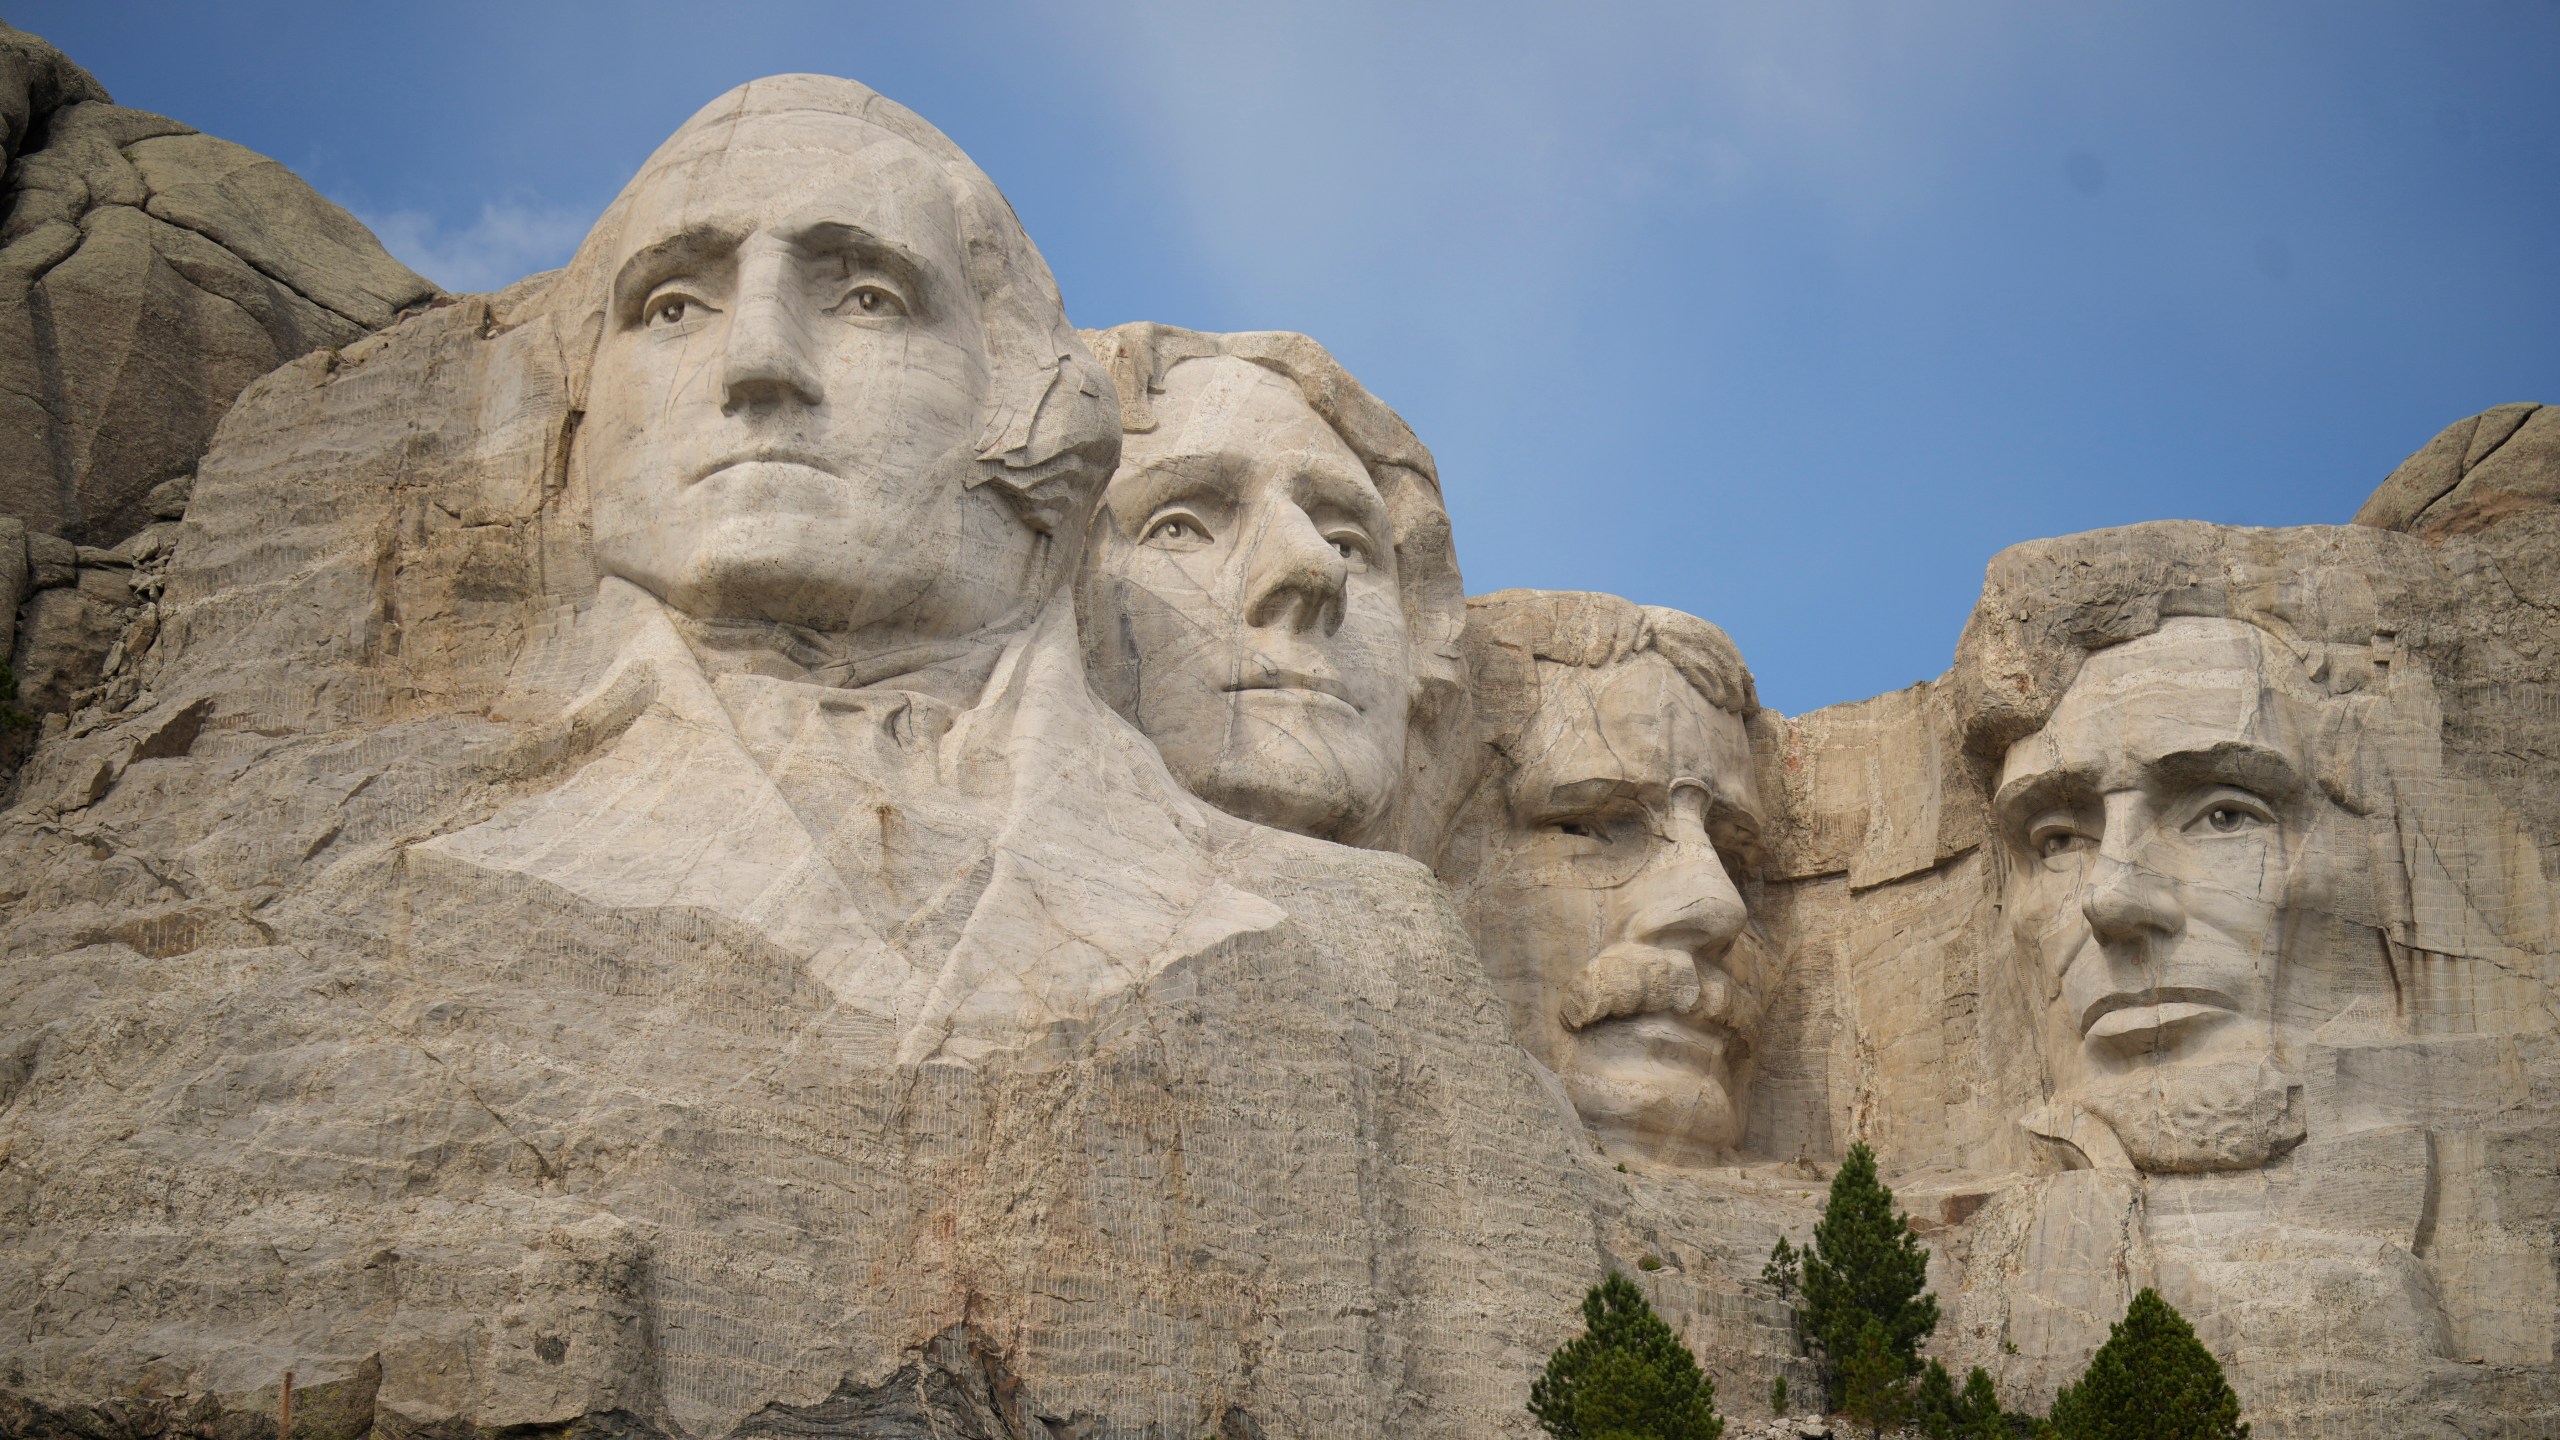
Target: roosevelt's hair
1048, 432
1589, 631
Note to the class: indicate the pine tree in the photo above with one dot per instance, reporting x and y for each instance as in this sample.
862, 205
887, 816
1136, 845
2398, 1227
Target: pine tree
1865, 1265
1626, 1377
1935, 1407
1875, 1389
2152, 1380
1983, 1419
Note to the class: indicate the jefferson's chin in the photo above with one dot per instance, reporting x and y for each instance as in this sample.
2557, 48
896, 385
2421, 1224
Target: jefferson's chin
1320, 780
1655, 1088
2196, 1116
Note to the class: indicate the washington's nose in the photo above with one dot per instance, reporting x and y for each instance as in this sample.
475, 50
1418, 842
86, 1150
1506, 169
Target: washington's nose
766, 364
1297, 577
2126, 904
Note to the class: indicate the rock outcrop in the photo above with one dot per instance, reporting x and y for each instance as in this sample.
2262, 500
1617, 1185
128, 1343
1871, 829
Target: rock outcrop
598, 895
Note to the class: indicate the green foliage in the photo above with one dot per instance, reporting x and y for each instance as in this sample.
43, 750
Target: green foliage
1626, 1377
1875, 1388
2152, 1380
1778, 1396
1975, 1414
1865, 1265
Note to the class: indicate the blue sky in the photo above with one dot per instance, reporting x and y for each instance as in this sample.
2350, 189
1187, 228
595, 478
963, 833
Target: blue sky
1789, 315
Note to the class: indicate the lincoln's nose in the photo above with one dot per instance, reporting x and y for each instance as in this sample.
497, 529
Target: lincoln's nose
2128, 905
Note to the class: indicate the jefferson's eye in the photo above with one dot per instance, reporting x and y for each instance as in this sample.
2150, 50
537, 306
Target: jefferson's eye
2227, 818
1177, 532
874, 300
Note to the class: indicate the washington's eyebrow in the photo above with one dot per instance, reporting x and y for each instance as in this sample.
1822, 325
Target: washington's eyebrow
687, 249
898, 260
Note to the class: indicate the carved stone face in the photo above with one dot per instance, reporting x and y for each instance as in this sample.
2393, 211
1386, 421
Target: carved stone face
2157, 832
1241, 604
1607, 911
780, 415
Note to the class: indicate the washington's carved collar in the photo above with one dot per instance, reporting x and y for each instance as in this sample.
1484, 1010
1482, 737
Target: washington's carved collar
955, 670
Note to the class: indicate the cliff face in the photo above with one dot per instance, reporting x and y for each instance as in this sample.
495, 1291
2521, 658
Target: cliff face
147, 274
432, 966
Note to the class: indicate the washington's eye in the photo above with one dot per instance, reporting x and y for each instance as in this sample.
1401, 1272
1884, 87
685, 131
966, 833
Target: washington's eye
673, 309
874, 300
1589, 827
1177, 532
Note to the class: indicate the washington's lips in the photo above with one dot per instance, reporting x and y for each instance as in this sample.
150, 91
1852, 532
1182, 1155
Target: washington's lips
1663, 1039
2149, 1011
766, 455
1273, 678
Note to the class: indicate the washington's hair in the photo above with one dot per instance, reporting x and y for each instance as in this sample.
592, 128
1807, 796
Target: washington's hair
1048, 432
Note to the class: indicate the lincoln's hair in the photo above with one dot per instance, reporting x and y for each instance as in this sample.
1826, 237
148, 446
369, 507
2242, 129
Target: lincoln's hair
1049, 431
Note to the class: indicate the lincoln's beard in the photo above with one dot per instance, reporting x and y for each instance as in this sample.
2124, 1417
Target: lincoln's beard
2228, 1115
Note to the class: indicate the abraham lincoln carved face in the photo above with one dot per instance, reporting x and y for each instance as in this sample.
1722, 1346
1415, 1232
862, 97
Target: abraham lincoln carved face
2168, 857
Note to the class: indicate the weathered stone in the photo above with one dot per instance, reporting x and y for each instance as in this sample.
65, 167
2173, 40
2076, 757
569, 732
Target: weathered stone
147, 274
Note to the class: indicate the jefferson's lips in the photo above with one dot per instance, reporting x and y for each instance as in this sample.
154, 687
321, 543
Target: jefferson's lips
2138, 1012
767, 455
1295, 680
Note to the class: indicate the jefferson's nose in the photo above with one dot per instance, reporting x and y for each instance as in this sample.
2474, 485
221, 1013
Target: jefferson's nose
766, 363
1297, 577
2126, 904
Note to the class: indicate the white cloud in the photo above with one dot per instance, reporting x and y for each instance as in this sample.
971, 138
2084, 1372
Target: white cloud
506, 243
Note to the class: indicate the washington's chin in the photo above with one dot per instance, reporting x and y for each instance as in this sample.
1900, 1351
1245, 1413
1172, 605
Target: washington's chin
1656, 1089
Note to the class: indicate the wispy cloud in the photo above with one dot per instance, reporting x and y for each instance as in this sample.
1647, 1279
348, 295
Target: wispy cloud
506, 243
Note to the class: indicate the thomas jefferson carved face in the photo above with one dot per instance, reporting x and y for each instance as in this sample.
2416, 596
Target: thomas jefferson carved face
2165, 851
1607, 909
1242, 608
780, 416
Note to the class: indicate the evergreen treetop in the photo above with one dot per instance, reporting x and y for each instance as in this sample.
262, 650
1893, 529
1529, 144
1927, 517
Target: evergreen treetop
2152, 1380
1626, 1377
1866, 1264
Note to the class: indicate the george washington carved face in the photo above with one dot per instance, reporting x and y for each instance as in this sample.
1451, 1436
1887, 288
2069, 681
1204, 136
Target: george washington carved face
784, 399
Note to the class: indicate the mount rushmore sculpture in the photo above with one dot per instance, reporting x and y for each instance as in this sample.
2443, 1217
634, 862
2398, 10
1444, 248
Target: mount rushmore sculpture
758, 825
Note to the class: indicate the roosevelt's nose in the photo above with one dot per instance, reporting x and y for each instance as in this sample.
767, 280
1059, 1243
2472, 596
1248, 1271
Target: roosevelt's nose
766, 363
1295, 576
1685, 900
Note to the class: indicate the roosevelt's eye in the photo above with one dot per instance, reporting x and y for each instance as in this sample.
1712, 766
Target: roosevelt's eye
1352, 546
2054, 839
872, 299
1180, 530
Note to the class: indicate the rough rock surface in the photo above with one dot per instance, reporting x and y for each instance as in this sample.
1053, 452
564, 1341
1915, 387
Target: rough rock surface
148, 273
483, 951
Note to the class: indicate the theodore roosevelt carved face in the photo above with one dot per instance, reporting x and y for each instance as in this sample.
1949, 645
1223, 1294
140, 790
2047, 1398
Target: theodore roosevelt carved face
1607, 902
2165, 858
784, 397
1242, 603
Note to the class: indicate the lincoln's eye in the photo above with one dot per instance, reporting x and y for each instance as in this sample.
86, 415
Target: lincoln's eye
670, 311
2054, 843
